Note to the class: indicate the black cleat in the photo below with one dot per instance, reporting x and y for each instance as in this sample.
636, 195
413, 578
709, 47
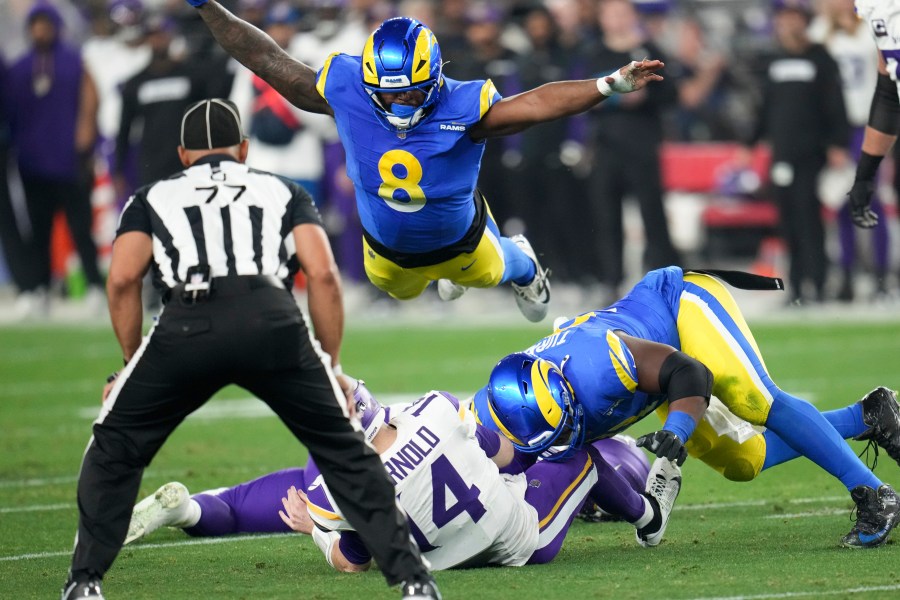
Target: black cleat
82, 589
877, 513
420, 589
882, 415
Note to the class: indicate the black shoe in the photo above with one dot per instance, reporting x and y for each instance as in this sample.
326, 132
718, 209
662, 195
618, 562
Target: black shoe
89, 588
877, 512
846, 293
882, 415
420, 589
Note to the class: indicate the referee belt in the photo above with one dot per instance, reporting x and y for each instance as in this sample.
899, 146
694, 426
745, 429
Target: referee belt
234, 285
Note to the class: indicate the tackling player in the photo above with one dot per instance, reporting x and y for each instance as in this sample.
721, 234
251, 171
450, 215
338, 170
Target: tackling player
446, 470
414, 141
674, 340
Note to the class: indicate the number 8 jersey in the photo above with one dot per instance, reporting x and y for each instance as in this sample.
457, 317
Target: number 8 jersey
461, 511
414, 190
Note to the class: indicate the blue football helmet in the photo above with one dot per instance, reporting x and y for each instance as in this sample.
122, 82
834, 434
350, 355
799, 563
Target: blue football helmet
533, 405
372, 415
402, 55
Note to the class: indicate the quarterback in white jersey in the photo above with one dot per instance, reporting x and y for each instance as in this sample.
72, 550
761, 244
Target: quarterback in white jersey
462, 510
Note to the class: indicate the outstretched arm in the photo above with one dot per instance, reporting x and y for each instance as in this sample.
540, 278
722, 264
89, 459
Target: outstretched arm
259, 53
562, 99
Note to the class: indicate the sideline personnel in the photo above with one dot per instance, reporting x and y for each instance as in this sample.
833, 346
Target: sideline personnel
223, 240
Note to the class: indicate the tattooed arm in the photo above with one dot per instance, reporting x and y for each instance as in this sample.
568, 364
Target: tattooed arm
259, 53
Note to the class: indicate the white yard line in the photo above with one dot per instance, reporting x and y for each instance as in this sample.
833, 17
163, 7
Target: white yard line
191, 542
816, 593
35, 508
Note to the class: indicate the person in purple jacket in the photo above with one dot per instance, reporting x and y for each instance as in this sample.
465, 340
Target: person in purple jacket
52, 104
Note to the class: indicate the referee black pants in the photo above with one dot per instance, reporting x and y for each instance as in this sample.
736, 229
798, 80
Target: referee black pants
254, 337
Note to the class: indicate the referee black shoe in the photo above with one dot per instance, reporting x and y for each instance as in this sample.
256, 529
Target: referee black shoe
882, 416
89, 588
420, 589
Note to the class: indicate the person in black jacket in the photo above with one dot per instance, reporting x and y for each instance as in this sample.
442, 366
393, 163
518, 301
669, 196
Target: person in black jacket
803, 118
626, 137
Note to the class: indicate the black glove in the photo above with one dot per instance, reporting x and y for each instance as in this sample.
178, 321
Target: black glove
664, 444
860, 198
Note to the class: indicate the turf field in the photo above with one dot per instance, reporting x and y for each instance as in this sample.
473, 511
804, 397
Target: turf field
776, 537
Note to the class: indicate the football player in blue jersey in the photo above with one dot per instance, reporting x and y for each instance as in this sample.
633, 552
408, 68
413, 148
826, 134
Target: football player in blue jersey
414, 141
676, 339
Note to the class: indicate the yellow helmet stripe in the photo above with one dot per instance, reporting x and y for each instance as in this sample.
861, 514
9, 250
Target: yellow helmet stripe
370, 73
618, 357
540, 377
488, 91
320, 85
503, 429
421, 67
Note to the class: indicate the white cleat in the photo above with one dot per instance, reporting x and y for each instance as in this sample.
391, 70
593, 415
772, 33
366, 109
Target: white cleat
449, 291
169, 506
533, 299
663, 487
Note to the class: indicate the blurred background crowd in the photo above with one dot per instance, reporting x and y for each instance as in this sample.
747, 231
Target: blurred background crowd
730, 162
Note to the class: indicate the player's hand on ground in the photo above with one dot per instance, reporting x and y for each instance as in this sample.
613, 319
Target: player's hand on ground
860, 199
295, 514
635, 76
664, 444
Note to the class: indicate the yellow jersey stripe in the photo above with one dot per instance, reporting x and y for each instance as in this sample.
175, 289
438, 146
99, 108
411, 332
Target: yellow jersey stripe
320, 85
619, 360
488, 91
325, 514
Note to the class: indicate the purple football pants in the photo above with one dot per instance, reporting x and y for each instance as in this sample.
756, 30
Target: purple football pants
250, 507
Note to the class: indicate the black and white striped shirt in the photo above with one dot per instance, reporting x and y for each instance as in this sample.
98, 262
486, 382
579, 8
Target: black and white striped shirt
220, 213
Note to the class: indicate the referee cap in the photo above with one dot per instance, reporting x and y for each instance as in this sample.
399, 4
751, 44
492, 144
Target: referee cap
212, 123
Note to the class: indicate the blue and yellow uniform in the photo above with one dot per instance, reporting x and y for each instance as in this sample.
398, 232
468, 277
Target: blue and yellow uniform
694, 313
422, 217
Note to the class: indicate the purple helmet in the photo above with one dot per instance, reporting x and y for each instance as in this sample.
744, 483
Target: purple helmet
372, 415
623, 455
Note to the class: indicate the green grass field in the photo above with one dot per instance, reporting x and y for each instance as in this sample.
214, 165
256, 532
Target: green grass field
776, 537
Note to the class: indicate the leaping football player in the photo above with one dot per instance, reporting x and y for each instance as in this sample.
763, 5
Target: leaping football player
672, 342
463, 511
414, 139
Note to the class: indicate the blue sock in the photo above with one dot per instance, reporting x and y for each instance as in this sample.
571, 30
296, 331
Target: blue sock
847, 421
809, 433
519, 268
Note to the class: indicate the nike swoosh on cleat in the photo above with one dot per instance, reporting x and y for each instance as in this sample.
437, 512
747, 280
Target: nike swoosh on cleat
468, 266
866, 538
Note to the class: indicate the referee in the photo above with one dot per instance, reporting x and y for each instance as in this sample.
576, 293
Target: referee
224, 242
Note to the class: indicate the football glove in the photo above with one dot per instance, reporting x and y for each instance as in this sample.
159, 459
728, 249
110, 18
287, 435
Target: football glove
860, 198
664, 444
